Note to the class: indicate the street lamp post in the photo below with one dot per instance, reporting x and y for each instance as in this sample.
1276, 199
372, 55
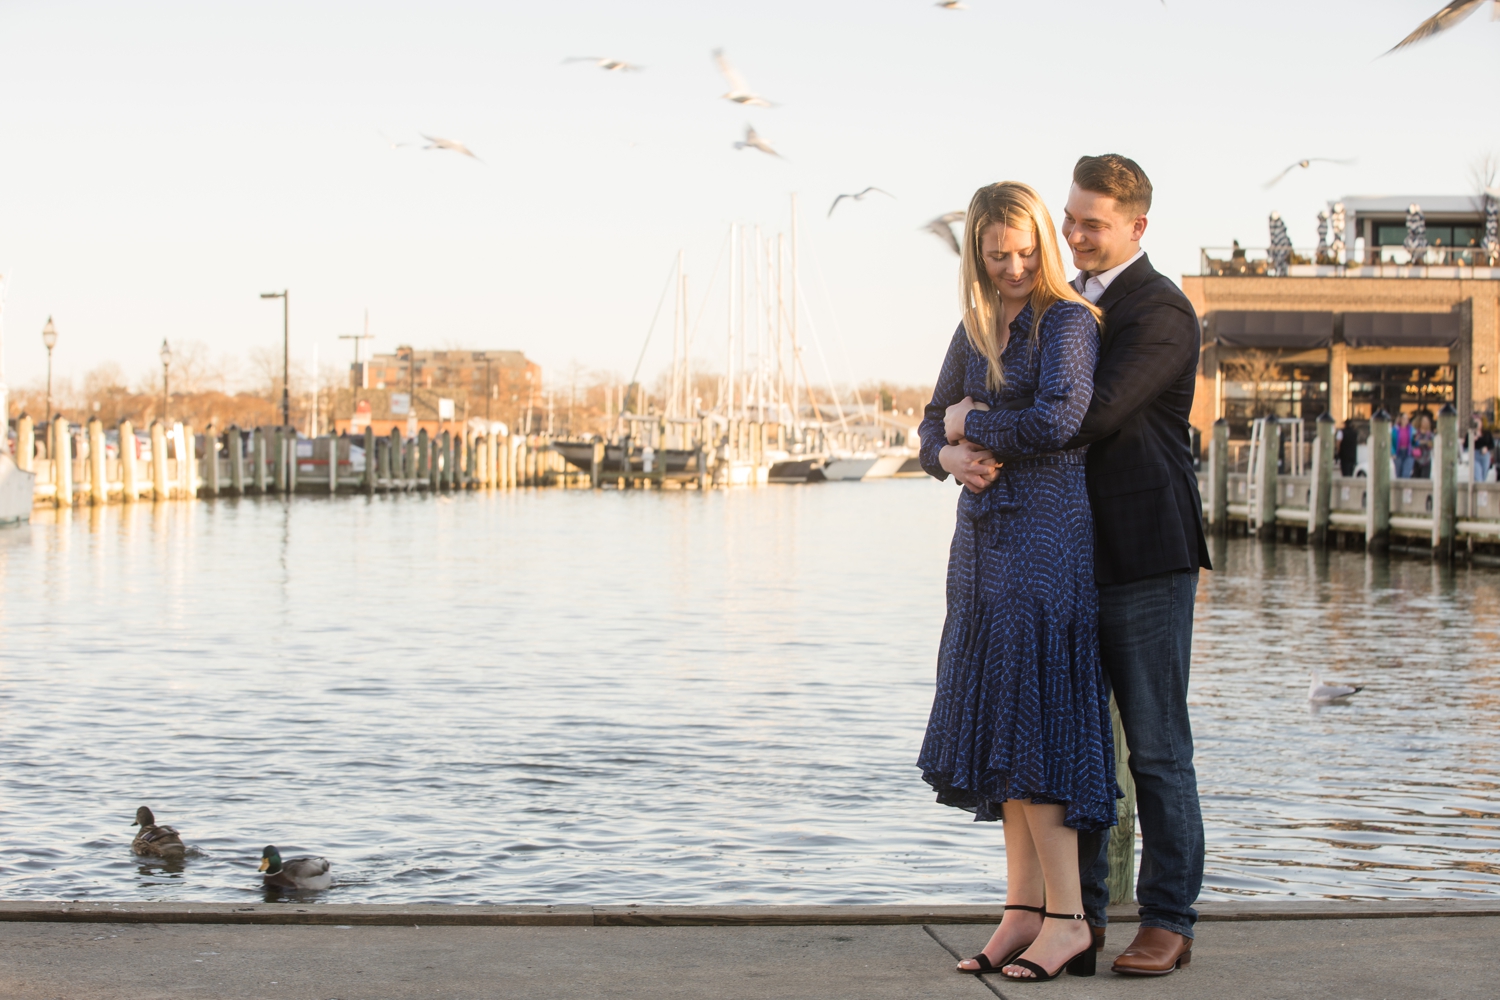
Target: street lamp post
286, 353
49, 337
166, 381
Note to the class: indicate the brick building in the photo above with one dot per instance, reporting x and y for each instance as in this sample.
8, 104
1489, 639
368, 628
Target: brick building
496, 385
1371, 329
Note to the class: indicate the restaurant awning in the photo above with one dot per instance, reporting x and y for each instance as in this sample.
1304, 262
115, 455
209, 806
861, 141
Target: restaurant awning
1271, 329
1390, 329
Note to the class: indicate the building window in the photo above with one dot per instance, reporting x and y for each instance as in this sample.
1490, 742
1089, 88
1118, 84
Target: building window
1256, 385
1397, 388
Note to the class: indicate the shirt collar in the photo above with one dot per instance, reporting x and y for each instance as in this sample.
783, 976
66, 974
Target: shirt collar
1093, 287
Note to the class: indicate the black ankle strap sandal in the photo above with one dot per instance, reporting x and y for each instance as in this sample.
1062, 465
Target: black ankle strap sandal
1081, 964
983, 961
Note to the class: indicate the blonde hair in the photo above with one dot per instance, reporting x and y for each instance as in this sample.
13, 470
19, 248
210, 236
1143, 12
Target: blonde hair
1009, 204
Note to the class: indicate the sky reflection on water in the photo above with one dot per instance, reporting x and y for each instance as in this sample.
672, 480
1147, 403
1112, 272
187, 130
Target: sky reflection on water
565, 697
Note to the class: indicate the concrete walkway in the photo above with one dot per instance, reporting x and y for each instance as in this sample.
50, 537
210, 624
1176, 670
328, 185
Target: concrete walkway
1336, 958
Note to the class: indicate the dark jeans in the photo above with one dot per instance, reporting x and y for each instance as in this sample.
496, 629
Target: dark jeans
1145, 642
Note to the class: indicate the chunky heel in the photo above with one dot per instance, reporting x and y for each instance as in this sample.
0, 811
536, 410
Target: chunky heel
1082, 965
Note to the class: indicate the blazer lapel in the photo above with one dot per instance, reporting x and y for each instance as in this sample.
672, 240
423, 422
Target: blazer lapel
1129, 280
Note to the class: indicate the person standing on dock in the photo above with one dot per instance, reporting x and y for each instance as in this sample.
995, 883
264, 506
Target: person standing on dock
1150, 546
1020, 727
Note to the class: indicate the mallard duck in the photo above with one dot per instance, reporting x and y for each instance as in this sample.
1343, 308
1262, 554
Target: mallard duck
155, 841
294, 873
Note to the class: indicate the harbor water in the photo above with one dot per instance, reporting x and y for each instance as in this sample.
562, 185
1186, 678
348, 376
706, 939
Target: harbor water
667, 697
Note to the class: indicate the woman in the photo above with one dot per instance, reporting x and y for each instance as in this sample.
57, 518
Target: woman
1020, 726
1421, 447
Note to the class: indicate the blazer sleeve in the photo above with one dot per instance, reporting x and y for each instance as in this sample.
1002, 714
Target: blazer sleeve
949, 390
1069, 342
1146, 355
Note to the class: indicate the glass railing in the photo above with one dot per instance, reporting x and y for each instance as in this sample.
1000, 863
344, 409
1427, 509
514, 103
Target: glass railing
1307, 262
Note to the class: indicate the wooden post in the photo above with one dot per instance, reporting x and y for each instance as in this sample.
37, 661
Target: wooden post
279, 462
62, 461
1122, 837
26, 443
393, 466
424, 455
596, 465
333, 464
1378, 506
259, 453
128, 487
291, 460
1270, 440
702, 467
234, 450
98, 474
370, 449
187, 485
1444, 482
211, 458
446, 479
435, 468
1218, 477
522, 458
159, 488
1318, 504
409, 465
470, 463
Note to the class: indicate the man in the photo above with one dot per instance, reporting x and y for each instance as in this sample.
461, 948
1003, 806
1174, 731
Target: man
1149, 546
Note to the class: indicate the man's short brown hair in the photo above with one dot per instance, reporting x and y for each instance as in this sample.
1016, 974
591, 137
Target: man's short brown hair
1119, 177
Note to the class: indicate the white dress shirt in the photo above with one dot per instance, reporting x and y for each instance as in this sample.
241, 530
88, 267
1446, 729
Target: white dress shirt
1093, 288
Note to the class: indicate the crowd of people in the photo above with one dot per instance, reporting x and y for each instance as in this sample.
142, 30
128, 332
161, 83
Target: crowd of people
1413, 438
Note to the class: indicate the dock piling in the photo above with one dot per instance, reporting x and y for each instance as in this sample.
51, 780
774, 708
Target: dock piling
26, 443
98, 475
1378, 522
280, 463
1218, 477
234, 446
160, 490
258, 452
1265, 473
128, 488
62, 460
1318, 506
596, 466
1445, 482
370, 459
211, 456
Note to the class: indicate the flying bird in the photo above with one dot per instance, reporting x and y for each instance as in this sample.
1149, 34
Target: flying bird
856, 197
942, 228
1444, 19
1304, 164
739, 91
950, 5
606, 63
437, 142
754, 141
1324, 694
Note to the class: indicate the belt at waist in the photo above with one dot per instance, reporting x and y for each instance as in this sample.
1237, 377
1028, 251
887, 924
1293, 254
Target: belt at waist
1075, 457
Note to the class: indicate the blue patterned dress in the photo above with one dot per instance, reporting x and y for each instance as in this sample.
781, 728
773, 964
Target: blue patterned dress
1021, 709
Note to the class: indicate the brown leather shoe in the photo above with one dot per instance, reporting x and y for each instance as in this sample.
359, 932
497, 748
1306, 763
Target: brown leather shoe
1098, 937
1155, 951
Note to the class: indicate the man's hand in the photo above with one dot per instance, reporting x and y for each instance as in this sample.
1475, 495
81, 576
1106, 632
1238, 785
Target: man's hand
969, 464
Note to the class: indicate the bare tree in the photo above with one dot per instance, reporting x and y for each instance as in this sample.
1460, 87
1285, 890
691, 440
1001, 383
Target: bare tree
1258, 369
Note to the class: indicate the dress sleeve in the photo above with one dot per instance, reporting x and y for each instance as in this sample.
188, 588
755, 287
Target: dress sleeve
949, 390
1069, 342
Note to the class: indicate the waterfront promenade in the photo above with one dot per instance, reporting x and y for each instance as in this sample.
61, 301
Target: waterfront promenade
1350, 951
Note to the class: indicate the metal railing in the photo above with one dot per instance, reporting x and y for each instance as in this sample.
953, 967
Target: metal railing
1383, 262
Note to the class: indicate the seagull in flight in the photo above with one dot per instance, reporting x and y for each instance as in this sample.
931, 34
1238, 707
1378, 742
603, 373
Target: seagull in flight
1444, 19
739, 91
436, 142
1304, 164
1324, 694
606, 63
950, 5
942, 228
754, 141
856, 197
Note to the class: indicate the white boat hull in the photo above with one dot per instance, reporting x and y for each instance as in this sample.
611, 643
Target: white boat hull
17, 493
848, 469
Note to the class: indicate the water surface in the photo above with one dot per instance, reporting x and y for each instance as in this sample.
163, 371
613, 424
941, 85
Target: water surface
568, 697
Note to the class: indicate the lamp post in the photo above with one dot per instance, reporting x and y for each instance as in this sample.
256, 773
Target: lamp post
166, 383
49, 337
286, 353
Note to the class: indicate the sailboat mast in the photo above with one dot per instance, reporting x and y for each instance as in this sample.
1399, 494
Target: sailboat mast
796, 343
729, 324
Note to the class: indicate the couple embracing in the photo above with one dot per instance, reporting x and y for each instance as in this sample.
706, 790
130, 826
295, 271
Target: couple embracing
1062, 409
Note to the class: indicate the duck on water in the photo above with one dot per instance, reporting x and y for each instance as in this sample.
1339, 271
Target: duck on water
294, 873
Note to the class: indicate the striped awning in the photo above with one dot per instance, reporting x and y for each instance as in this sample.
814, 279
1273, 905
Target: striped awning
1270, 329
1390, 329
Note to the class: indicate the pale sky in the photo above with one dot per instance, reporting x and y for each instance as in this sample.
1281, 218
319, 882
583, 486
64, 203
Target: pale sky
161, 164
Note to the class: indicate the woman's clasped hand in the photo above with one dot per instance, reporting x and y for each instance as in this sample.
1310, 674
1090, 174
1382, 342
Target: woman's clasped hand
968, 463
